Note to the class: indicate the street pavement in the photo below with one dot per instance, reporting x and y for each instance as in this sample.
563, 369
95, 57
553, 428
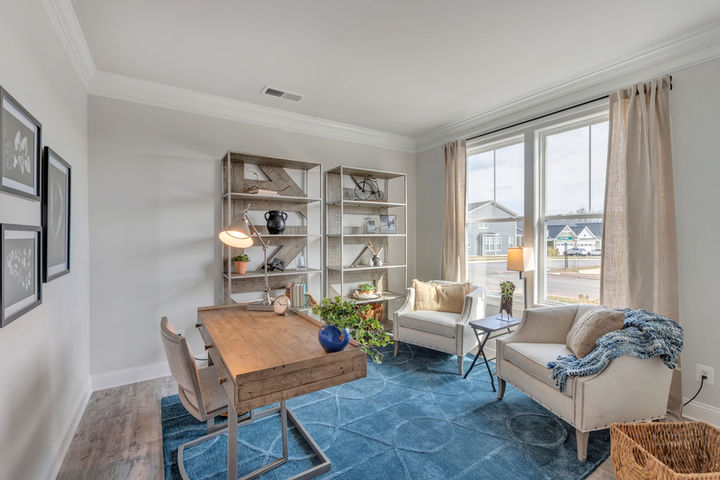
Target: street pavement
493, 271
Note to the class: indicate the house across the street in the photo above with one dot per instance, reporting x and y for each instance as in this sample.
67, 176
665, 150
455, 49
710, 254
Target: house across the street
586, 236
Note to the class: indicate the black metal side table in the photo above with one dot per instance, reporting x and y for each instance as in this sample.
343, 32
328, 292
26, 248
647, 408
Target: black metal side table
486, 327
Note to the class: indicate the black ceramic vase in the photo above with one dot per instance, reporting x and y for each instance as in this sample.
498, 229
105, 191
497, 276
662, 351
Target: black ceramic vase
275, 221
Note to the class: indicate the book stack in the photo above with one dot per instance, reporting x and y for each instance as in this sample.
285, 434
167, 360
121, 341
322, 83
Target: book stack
297, 292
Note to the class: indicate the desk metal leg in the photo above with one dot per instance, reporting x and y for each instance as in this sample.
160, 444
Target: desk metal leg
232, 442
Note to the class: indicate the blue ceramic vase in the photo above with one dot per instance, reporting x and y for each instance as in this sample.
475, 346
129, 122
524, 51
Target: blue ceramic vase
332, 339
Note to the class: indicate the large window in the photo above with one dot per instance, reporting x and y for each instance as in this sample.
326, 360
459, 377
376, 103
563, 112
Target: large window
495, 209
573, 159
551, 171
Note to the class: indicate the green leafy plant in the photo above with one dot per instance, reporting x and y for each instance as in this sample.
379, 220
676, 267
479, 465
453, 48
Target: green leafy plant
363, 326
366, 287
241, 258
507, 288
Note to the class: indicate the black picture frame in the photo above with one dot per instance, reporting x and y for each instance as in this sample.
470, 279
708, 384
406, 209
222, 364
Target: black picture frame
51, 194
11, 312
9, 107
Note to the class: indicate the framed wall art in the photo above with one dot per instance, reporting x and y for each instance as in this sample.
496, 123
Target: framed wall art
20, 153
55, 215
20, 285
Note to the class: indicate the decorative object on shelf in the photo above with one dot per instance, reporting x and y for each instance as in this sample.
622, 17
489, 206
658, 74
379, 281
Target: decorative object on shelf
55, 215
367, 188
370, 225
507, 288
275, 221
241, 262
300, 262
377, 259
281, 305
366, 291
20, 253
343, 318
19, 149
377, 311
257, 189
388, 224
296, 292
520, 259
274, 264
238, 234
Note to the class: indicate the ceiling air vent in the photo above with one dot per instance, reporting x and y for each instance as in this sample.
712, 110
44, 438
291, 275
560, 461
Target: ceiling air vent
276, 92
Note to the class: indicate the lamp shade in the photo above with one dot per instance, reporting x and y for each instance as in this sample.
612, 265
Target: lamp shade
519, 259
237, 234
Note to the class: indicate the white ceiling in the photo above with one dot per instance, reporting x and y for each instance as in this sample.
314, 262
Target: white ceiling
402, 66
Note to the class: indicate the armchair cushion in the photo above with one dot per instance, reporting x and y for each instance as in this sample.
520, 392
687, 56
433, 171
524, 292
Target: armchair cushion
437, 297
437, 323
593, 324
533, 358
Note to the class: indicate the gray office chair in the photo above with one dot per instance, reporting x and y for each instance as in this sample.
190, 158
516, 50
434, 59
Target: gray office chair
200, 393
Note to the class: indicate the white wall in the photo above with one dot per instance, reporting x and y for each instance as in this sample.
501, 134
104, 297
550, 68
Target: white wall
154, 203
44, 353
695, 110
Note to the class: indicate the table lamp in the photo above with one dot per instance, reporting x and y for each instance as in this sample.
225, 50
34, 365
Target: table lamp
520, 260
239, 235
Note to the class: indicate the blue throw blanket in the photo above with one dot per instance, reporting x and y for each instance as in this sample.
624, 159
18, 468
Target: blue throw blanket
644, 335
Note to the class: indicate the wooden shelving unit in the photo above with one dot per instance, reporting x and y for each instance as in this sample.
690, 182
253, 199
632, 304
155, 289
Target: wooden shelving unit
299, 184
346, 215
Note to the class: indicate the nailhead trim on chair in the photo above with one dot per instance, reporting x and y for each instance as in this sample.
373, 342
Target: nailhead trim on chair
649, 419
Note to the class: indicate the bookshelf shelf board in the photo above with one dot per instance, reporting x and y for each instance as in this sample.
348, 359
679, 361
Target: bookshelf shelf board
384, 297
272, 198
258, 274
361, 268
366, 203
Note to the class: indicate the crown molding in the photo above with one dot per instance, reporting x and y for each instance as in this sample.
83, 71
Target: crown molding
65, 22
681, 53
129, 89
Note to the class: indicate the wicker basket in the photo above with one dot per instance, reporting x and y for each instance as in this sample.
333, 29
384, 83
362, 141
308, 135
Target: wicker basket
664, 451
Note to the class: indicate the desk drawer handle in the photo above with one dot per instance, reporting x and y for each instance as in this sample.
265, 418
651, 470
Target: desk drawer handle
208, 347
222, 380
198, 325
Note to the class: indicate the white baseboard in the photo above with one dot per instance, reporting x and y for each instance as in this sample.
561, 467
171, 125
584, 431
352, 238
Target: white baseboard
68, 431
125, 376
703, 412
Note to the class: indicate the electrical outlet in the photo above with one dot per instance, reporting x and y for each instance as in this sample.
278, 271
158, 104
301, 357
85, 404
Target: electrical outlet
709, 372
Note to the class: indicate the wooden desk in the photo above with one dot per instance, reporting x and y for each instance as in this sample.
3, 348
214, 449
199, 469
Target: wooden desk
262, 358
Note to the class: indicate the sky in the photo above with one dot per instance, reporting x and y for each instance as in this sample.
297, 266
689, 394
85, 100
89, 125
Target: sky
569, 159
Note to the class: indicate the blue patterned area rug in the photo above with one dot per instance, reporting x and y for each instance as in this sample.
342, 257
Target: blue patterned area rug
412, 418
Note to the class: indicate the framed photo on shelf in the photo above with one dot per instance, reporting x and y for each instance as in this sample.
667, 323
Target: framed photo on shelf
20, 152
55, 215
370, 225
388, 223
21, 287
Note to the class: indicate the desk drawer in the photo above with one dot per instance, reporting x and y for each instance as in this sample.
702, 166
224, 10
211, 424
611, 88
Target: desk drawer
229, 383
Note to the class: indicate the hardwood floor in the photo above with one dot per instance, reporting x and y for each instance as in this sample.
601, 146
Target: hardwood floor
119, 436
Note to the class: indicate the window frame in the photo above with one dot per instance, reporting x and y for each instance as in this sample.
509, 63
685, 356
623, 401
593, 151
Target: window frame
533, 225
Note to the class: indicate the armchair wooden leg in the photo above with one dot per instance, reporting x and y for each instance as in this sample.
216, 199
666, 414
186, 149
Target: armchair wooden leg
501, 388
397, 347
582, 443
460, 364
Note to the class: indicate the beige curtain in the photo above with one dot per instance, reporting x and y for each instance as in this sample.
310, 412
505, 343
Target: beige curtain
453, 251
639, 266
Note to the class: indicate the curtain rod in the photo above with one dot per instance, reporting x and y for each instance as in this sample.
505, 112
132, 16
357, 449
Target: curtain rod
544, 116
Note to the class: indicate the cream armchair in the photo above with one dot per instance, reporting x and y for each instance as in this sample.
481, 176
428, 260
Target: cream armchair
443, 331
630, 389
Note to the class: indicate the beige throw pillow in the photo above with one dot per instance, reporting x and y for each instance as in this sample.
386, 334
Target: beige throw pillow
593, 324
440, 297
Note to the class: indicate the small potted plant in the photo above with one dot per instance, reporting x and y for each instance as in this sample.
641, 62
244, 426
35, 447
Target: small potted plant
507, 288
241, 262
345, 318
